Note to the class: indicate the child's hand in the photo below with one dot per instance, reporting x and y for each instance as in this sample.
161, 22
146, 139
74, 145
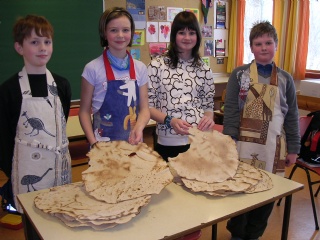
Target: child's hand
206, 123
291, 159
180, 126
135, 137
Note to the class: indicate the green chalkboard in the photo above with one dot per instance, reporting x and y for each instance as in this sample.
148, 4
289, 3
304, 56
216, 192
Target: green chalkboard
76, 38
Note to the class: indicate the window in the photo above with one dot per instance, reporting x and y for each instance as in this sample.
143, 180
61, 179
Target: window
313, 59
255, 10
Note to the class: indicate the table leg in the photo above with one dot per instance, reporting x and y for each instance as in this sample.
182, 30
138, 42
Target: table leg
29, 232
286, 218
214, 232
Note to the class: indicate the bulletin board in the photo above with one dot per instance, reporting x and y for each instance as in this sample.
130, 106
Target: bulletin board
76, 39
217, 64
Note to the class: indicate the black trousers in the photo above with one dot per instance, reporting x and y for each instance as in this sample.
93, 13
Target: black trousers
170, 151
250, 225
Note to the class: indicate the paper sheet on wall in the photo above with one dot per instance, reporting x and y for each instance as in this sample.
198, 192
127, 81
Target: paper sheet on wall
137, 9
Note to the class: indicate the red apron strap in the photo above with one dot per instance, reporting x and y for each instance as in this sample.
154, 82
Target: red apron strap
109, 72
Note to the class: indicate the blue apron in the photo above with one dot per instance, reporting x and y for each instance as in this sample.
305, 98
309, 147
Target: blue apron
119, 111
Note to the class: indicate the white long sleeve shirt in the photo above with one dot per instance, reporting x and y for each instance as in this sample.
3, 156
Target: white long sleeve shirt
185, 92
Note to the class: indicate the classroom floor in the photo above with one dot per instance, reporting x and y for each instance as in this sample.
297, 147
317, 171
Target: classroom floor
301, 227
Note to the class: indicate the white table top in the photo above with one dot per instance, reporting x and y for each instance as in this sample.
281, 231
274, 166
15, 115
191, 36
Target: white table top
172, 213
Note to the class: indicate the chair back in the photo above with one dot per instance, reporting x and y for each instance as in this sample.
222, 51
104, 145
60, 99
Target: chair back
304, 122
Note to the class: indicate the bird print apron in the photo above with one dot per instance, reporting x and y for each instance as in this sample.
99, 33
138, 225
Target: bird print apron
41, 157
119, 110
262, 139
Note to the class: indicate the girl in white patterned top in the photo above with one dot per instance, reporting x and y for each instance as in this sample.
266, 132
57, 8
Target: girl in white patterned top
181, 88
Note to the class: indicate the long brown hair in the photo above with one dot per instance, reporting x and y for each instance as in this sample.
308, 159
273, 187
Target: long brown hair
184, 20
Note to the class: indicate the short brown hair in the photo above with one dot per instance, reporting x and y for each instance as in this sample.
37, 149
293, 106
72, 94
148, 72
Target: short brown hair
24, 26
109, 15
261, 28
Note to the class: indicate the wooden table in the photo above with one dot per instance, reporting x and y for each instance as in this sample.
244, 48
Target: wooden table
173, 213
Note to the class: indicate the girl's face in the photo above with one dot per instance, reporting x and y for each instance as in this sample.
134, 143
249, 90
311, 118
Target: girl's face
186, 39
36, 52
118, 35
263, 49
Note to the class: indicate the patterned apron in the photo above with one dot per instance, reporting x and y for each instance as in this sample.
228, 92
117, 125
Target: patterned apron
119, 110
41, 157
261, 141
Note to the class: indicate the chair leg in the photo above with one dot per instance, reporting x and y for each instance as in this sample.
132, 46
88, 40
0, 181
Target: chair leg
312, 200
316, 195
290, 176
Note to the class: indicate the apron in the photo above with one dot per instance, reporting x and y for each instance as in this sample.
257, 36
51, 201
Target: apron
262, 138
41, 157
119, 110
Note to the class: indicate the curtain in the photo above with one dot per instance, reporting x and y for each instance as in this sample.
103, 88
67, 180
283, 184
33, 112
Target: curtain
235, 56
291, 19
278, 6
303, 39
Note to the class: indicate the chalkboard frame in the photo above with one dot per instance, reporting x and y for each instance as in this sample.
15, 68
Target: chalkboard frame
76, 39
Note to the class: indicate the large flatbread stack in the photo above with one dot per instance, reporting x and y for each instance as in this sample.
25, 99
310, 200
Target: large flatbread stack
211, 166
75, 207
119, 182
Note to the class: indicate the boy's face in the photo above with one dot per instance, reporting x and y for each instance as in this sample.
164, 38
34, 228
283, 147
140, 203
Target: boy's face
36, 52
263, 49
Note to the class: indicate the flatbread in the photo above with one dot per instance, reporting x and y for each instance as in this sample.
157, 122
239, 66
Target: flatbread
264, 184
212, 157
120, 171
75, 207
211, 166
245, 177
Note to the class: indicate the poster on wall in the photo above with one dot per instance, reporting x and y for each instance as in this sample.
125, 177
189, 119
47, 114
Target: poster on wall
172, 12
206, 30
152, 31
156, 49
221, 15
157, 13
135, 53
208, 48
137, 9
138, 38
164, 31
194, 10
206, 60
220, 42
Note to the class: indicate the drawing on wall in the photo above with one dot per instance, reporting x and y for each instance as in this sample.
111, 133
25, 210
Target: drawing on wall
135, 53
137, 8
152, 31
206, 60
157, 13
164, 31
206, 30
172, 12
194, 10
205, 5
208, 48
138, 38
156, 49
